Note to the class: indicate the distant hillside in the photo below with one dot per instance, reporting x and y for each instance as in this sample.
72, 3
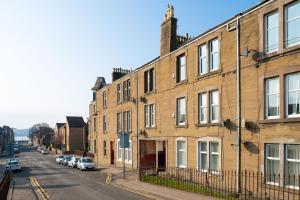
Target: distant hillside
21, 132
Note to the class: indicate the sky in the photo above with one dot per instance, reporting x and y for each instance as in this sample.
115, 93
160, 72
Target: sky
51, 51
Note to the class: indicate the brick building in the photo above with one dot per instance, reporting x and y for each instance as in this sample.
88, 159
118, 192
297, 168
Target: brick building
60, 136
187, 107
75, 134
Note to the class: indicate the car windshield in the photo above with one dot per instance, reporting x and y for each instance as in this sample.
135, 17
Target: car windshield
87, 160
60, 156
76, 159
13, 163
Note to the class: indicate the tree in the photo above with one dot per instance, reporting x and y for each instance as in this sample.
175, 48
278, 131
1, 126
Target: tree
41, 132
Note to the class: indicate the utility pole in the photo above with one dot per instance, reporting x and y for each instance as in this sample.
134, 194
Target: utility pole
238, 108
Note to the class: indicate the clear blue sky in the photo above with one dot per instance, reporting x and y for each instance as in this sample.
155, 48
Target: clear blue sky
51, 51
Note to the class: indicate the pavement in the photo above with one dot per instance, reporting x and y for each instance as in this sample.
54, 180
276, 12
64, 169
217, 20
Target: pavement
132, 184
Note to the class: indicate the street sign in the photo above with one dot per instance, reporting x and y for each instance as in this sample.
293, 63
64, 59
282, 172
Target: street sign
124, 140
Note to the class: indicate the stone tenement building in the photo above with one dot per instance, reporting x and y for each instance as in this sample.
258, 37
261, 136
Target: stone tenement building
187, 107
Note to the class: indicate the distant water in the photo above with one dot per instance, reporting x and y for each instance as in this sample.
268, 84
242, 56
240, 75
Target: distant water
18, 138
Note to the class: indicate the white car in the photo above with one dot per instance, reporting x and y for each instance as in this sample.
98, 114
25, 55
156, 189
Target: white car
59, 159
86, 164
44, 151
13, 165
73, 162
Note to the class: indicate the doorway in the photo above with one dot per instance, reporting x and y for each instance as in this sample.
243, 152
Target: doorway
112, 153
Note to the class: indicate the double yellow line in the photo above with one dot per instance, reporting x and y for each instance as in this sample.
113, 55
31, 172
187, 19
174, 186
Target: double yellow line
39, 188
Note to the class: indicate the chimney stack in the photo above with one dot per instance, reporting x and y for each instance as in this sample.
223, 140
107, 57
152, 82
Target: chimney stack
118, 73
168, 32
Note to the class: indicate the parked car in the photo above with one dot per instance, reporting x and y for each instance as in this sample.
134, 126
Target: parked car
86, 164
67, 158
73, 161
16, 150
39, 149
44, 151
59, 159
13, 165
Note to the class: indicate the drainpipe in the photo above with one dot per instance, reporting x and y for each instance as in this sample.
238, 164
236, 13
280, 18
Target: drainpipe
136, 120
238, 108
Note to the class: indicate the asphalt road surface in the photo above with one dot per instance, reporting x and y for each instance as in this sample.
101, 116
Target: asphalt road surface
62, 182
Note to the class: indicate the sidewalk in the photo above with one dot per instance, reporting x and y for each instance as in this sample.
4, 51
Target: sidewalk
132, 184
20, 190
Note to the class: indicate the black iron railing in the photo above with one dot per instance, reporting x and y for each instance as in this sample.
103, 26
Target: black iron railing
222, 184
5, 183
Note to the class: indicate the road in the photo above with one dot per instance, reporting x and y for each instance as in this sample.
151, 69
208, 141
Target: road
62, 182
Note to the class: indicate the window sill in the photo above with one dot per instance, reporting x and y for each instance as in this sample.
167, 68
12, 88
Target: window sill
150, 128
206, 75
278, 53
275, 121
181, 83
149, 93
182, 126
208, 124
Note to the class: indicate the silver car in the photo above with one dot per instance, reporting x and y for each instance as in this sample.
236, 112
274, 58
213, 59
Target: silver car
86, 164
59, 159
13, 165
73, 162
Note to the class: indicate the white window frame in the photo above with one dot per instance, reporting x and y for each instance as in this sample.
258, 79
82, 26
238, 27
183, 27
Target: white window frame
125, 121
179, 110
202, 108
152, 115
119, 122
128, 151
267, 29
203, 59
181, 68
267, 94
287, 22
104, 99
287, 95
128, 120
208, 140
104, 123
184, 150
212, 52
119, 93
286, 160
149, 115
211, 105
272, 158
119, 150
202, 152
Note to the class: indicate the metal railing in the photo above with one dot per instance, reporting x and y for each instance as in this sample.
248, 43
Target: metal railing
5, 183
222, 184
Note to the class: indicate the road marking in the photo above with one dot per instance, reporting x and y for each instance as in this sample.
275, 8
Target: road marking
41, 190
108, 179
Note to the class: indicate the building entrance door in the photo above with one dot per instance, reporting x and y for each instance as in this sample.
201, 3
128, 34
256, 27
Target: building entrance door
161, 154
112, 153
